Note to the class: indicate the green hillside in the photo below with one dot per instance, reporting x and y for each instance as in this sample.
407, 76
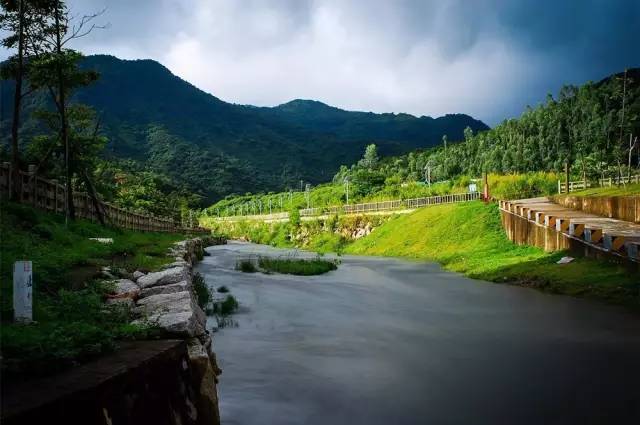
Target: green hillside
214, 148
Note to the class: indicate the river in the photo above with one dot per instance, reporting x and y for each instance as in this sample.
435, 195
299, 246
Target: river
388, 341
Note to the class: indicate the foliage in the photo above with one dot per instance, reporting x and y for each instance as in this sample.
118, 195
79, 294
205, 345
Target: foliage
214, 148
297, 266
71, 327
228, 306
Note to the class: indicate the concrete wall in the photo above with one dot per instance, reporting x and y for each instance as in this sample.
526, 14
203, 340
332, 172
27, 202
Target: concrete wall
621, 207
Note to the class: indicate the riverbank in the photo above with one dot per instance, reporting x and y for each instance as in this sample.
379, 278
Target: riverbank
110, 307
465, 238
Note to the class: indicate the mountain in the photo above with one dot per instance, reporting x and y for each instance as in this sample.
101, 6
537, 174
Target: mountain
216, 148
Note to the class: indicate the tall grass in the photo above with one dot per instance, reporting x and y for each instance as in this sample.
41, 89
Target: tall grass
297, 266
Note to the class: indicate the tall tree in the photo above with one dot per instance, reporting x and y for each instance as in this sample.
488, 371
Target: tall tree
25, 22
58, 70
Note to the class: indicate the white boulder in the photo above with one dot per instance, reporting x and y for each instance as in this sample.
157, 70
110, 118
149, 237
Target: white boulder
164, 277
166, 289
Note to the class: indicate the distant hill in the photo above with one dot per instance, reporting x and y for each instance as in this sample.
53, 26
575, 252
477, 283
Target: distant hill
216, 148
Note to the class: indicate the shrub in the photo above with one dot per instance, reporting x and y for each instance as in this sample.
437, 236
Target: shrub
246, 266
223, 289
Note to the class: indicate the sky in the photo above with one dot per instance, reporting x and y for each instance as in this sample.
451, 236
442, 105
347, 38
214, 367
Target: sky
485, 58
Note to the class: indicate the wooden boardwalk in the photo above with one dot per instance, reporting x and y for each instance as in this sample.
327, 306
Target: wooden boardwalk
607, 234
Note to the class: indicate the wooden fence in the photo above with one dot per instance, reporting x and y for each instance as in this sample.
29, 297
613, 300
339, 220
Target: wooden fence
608, 182
49, 195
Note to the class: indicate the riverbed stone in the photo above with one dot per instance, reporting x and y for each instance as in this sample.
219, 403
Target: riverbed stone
126, 303
137, 275
125, 288
176, 313
177, 263
164, 277
181, 286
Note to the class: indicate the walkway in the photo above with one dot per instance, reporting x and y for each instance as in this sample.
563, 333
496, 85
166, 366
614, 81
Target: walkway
609, 234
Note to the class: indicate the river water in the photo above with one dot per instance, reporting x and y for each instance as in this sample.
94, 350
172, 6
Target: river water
387, 341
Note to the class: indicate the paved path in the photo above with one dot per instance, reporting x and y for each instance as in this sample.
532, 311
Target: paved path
609, 233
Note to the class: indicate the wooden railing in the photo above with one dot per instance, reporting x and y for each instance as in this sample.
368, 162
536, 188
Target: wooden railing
397, 204
49, 195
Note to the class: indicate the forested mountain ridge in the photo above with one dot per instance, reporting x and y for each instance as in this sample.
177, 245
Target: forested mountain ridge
215, 148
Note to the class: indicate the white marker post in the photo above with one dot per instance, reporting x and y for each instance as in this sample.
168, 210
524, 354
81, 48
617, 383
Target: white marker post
22, 292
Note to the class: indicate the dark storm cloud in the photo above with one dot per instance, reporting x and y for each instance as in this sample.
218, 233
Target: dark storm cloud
488, 58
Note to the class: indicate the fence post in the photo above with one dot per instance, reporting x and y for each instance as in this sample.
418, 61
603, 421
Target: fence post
7, 165
34, 179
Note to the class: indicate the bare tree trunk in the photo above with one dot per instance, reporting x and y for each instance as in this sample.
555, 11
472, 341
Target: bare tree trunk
64, 134
632, 146
14, 190
566, 176
94, 196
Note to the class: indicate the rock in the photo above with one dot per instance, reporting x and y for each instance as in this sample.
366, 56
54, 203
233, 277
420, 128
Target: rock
180, 263
565, 260
124, 302
204, 382
106, 273
166, 289
125, 288
164, 277
177, 313
137, 275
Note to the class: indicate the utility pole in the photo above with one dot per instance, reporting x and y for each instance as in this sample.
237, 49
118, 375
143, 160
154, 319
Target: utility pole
346, 187
427, 169
269, 205
307, 194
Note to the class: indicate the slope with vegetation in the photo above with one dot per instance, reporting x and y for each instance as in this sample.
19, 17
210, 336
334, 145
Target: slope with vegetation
71, 321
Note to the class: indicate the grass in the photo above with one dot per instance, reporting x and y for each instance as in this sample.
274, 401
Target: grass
297, 266
72, 323
468, 238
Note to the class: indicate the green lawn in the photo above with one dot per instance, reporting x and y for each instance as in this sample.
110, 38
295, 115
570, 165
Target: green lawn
468, 238
71, 321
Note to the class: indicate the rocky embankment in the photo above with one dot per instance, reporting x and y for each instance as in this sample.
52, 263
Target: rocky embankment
166, 299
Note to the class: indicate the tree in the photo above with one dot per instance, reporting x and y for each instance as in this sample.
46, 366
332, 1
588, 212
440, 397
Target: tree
57, 69
370, 157
25, 23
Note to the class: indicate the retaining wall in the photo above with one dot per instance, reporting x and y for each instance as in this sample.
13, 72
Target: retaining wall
621, 207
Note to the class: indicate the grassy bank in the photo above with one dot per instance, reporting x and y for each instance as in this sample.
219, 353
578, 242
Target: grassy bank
71, 321
468, 238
